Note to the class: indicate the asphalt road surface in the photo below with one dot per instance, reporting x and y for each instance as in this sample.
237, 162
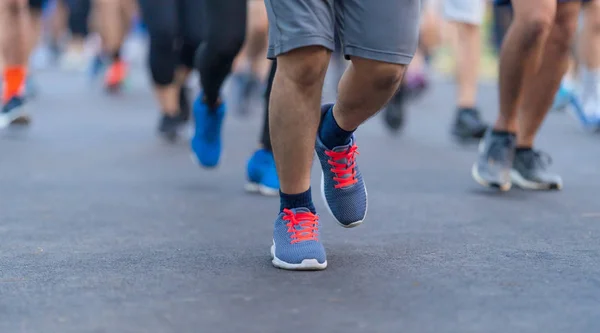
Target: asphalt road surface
105, 228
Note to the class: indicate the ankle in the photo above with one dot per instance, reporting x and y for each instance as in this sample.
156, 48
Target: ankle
331, 133
299, 200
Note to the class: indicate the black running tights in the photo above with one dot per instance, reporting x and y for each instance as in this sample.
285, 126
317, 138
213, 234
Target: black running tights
175, 29
224, 23
79, 12
265, 138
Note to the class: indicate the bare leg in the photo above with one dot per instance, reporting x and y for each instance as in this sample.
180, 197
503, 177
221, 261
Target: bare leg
589, 44
110, 25
295, 99
539, 91
58, 22
520, 56
256, 42
365, 87
14, 22
468, 56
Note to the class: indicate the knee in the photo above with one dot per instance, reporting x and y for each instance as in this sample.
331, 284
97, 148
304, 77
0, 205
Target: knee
305, 67
259, 27
535, 29
384, 76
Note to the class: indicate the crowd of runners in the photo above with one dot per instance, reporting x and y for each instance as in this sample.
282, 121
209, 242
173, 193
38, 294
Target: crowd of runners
280, 55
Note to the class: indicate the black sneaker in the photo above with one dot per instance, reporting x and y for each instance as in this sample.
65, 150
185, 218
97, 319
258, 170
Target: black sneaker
496, 155
468, 124
184, 105
169, 126
393, 115
530, 172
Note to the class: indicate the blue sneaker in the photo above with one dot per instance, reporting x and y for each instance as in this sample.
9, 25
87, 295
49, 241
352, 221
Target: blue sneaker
342, 185
13, 112
262, 174
296, 243
97, 67
206, 143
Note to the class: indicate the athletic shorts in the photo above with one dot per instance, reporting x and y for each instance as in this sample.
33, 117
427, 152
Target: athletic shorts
37, 4
381, 30
465, 11
507, 2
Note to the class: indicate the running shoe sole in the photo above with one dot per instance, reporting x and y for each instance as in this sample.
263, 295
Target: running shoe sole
16, 116
477, 177
196, 161
305, 265
525, 184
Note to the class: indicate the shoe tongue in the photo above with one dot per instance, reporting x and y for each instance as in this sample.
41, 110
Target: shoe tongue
301, 210
343, 148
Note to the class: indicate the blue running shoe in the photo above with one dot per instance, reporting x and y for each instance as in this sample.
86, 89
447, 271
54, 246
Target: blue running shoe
262, 174
296, 243
342, 185
206, 143
98, 67
13, 112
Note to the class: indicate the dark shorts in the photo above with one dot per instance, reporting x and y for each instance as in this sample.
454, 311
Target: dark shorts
37, 4
507, 2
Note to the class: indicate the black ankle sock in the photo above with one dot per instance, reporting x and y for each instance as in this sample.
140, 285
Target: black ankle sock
300, 200
116, 56
331, 134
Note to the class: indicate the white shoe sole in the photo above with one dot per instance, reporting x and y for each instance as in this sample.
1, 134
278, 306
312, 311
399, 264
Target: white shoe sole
483, 182
16, 114
305, 265
525, 184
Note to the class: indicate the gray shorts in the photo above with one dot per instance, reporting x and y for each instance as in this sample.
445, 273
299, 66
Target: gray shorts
382, 30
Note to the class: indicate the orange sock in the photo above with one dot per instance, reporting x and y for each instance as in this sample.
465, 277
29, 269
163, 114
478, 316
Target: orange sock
14, 82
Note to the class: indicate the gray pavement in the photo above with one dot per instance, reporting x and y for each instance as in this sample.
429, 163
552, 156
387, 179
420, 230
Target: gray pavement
104, 228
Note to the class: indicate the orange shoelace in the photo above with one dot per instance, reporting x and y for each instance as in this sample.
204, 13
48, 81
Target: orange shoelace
302, 226
345, 173
116, 73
